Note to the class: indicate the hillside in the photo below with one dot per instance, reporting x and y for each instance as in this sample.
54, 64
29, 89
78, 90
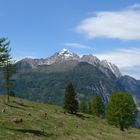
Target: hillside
45, 79
58, 126
47, 83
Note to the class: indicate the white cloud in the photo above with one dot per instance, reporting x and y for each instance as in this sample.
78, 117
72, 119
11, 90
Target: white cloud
128, 60
77, 45
23, 57
133, 71
124, 24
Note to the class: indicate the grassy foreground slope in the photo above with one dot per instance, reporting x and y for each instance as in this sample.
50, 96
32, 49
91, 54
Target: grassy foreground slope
58, 125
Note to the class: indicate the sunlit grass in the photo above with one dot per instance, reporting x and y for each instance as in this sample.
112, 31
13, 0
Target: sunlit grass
57, 125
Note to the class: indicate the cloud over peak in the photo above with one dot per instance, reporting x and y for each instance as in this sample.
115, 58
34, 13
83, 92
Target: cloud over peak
77, 45
123, 25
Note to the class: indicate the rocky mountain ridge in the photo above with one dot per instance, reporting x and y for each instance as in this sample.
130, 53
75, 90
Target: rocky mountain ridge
65, 55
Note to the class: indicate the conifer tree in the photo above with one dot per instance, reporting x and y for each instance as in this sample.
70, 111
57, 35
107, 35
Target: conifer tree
70, 101
121, 110
6, 64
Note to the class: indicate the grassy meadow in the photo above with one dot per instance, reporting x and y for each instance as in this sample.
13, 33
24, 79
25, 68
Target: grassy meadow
49, 122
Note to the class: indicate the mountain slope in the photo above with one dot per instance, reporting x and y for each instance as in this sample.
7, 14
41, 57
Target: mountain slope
131, 85
57, 125
44, 80
66, 55
47, 83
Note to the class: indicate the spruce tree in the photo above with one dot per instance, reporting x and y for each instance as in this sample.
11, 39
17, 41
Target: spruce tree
97, 106
121, 110
70, 101
6, 64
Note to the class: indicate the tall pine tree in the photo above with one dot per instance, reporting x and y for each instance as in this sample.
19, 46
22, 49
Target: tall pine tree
7, 65
70, 101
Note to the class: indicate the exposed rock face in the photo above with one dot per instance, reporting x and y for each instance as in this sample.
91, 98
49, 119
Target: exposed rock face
65, 55
111, 67
61, 56
90, 59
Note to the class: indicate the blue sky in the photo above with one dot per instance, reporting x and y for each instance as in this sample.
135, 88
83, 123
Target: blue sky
108, 29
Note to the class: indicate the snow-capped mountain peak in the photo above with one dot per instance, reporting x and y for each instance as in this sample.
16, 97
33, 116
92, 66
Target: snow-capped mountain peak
65, 53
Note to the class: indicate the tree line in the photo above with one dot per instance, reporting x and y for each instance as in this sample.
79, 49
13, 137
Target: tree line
119, 111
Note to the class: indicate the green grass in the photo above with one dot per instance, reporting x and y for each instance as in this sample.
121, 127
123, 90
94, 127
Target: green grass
58, 126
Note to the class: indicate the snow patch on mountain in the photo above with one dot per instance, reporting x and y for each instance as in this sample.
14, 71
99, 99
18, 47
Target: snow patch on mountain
66, 53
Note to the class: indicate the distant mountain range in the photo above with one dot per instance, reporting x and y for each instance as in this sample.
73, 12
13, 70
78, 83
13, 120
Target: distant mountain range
44, 80
66, 55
